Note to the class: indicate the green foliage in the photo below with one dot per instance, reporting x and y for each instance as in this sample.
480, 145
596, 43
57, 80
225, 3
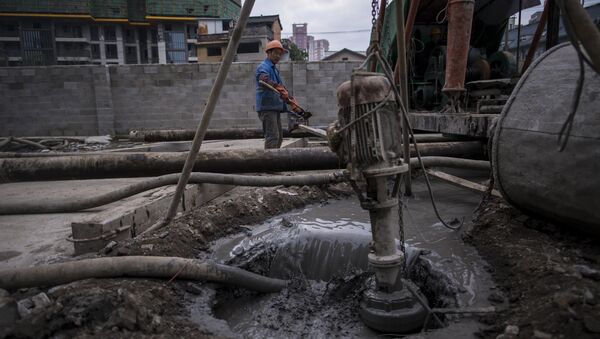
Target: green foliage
296, 54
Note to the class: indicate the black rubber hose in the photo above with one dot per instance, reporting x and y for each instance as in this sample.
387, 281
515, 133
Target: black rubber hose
78, 204
137, 266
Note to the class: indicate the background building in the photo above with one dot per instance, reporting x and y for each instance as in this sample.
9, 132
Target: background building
300, 36
214, 36
48, 32
345, 55
316, 49
527, 32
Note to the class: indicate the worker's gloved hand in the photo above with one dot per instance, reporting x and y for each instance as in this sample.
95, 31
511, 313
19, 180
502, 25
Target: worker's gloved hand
283, 92
294, 104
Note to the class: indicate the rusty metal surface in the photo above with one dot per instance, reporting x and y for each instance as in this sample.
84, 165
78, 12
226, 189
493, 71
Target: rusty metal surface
460, 18
469, 125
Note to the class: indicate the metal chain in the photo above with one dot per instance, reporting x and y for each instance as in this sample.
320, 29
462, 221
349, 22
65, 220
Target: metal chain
374, 10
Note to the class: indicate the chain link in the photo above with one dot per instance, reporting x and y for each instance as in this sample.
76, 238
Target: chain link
374, 11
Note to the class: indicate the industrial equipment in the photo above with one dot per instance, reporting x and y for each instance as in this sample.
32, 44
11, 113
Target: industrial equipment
366, 139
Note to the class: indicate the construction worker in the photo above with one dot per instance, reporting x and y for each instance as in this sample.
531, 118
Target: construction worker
269, 104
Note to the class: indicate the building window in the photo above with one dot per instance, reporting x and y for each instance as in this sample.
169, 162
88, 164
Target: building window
213, 51
131, 55
192, 51
153, 36
111, 51
130, 36
192, 31
226, 24
346, 59
154, 56
176, 46
249, 47
94, 33
9, 30
38, 47
110, 33
95, 51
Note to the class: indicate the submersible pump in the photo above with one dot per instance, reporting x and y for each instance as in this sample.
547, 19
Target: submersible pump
367, 137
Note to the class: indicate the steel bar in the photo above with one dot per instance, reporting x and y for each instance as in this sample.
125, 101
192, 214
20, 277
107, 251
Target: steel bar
208, 112
402, 81
536, 38
410, 21
585, 30
122, 165
553, 25
460, 182
519, 35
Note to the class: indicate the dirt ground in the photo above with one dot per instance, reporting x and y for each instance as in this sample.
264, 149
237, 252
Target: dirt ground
126, 308
548, 278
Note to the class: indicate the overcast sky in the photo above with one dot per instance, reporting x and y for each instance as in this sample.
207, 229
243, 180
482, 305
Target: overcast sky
324, 17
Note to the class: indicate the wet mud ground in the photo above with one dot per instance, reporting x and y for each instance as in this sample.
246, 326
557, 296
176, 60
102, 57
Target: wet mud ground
543, 281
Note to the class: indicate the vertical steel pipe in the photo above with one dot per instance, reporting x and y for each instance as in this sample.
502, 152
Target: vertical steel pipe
410, 20
536, 38
519, 36
402, 81
208, 112
460, 21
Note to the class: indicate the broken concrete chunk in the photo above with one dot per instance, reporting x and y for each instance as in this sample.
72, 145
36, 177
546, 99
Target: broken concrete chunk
148, 247
588, 272
25, 307
541, 335
41, 300
512, 330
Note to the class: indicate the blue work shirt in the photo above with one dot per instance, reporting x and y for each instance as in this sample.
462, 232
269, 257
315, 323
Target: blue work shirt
266, 99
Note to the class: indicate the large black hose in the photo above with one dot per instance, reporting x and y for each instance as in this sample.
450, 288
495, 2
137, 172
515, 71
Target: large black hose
121, 165
136, 266
78, 204
73, 205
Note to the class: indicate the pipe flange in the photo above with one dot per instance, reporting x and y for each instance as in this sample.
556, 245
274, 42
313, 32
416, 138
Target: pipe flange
385, 171
375, 205
386, 261
395, 312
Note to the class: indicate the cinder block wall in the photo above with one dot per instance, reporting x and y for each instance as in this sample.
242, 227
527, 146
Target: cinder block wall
92, 100
56, 100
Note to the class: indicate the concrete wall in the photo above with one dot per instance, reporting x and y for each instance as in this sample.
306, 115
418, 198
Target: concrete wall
92, 100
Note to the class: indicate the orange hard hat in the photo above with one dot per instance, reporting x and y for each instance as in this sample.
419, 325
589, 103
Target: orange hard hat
275, 44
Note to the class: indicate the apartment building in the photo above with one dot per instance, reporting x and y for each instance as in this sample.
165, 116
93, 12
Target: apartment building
55, 32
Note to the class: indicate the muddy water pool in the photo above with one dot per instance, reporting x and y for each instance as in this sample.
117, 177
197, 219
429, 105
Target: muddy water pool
323, 249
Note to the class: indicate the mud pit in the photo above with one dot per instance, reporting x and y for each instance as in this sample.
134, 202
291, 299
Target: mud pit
323, 300
323, 250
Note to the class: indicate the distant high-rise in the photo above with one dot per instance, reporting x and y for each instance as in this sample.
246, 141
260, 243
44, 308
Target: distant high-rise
315, 48
300, 37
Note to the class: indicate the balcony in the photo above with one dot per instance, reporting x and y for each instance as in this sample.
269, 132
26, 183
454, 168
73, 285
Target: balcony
212, 38
249, 31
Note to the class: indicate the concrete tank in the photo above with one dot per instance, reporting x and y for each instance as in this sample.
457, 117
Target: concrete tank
529, 170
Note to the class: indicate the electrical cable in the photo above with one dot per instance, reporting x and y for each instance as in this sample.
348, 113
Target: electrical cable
565, 131
387, 70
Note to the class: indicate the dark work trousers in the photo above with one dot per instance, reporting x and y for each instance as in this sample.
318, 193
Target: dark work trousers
271, 122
